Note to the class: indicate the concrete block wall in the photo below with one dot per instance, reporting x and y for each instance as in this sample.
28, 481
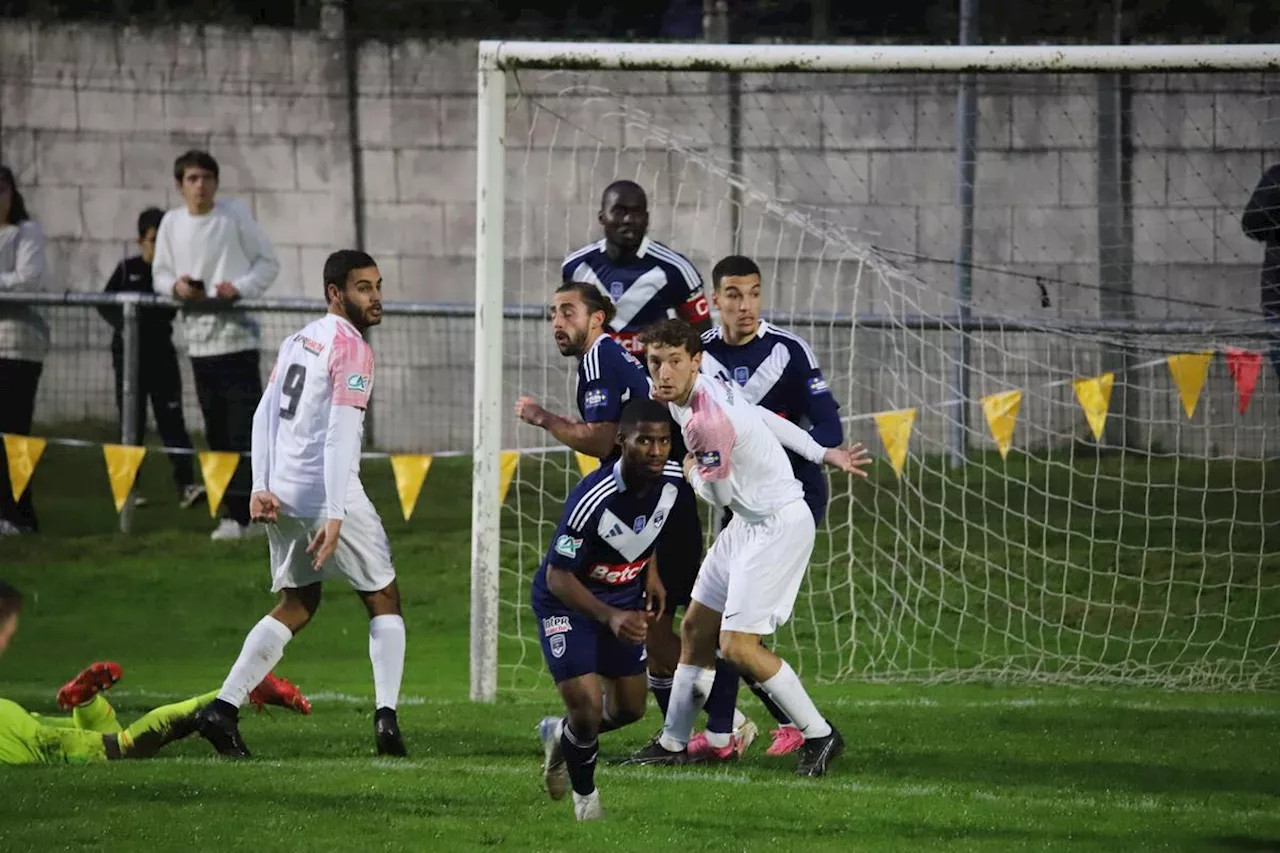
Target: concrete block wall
91, 119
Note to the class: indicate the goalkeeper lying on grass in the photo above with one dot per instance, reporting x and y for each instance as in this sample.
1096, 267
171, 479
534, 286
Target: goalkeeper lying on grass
91, 733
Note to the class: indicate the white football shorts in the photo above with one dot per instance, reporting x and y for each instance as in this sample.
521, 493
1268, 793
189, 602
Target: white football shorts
752, 573
363, 555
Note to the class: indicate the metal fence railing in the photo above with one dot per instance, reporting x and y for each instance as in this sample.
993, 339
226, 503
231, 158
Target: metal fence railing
423, 390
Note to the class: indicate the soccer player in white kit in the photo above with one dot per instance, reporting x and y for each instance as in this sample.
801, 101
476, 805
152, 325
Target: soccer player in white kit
306, 485
750, 577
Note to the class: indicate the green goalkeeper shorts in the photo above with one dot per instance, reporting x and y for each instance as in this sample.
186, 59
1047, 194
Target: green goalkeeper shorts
25, 740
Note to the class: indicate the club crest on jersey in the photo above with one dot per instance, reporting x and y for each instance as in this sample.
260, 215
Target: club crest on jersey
659, 517
568, 546
638, 524
313, 347
710, 459
818, 385
595, 398
552, 625
616, 290
358, 382
741, 375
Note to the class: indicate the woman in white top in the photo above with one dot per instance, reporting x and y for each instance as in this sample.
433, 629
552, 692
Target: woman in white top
24, 340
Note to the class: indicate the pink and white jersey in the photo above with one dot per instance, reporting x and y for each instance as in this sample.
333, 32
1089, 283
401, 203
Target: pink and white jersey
324, 366
741, 461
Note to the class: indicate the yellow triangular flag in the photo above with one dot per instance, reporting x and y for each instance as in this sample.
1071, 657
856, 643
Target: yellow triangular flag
1002, 415
217, 468
507, 470
1094, 395
586, 463
122, 468
1189, 370
411, 473
895, 435
23, 452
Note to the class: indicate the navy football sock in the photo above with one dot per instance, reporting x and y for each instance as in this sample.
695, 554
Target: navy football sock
660, 685
723, 699
579, 759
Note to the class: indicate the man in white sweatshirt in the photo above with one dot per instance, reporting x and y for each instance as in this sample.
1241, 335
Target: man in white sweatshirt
205, 250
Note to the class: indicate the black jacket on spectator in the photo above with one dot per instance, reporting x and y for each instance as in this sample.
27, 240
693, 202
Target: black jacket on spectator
1261, 221
155, 325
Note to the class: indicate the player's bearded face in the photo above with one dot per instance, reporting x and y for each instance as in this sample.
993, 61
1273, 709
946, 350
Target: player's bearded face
362, 298
570, 323
673, 372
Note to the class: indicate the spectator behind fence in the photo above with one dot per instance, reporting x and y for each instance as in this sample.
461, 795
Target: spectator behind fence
211, 249
158, 376
24, 341
1261, 222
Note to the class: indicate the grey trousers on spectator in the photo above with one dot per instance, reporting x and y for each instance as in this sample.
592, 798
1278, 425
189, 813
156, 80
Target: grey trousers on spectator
229, 387
18, 383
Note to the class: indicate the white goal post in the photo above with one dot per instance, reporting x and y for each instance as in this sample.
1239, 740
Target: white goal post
499, 60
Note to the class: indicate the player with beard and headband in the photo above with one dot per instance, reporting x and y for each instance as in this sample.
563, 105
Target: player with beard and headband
777, 370
595, 595
306, 485
609, 377
646, 280
748, 582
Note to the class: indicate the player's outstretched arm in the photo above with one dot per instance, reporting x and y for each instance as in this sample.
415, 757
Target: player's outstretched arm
851, 460
628, 625
596, 439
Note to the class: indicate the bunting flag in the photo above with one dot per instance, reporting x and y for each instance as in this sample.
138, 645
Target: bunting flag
411, 473
122, 469
23, 452
1094, 395
1245, 368
507, 470
217, 468
586, 463
895, 435
1189, 371
1002, 415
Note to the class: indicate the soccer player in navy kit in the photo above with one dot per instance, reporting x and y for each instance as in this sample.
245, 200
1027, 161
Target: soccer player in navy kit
595, 595
776, 370
609, 377
646, 280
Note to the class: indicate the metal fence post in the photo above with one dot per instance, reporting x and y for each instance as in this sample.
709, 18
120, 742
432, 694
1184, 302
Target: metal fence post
130, 388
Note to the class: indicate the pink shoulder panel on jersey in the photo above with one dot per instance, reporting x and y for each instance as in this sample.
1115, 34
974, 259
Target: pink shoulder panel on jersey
710, 436
350, 369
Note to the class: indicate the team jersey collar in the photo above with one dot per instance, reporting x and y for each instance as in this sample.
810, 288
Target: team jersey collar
644, 247
617, 476
762, 329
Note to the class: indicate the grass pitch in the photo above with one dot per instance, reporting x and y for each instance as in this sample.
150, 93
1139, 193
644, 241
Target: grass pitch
928, 768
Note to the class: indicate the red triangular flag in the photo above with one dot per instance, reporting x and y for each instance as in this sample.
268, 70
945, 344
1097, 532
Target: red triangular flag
1245, 368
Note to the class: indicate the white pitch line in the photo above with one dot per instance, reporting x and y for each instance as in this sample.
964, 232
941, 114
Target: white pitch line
1141, 804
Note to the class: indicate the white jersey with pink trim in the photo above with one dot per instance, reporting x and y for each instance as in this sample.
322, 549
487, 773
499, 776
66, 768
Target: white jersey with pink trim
741, 461
326, 364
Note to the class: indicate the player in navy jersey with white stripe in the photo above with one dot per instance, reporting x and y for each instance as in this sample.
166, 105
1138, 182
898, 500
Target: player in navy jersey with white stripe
646, 280
608, 377
594, 597
777, 371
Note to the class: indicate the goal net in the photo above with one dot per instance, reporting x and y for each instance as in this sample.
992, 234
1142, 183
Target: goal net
1076, 477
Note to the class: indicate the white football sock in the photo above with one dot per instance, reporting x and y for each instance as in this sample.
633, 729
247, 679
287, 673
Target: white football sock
263, 647
739, 719
719, 740
785, 689
386, 651
689, 690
